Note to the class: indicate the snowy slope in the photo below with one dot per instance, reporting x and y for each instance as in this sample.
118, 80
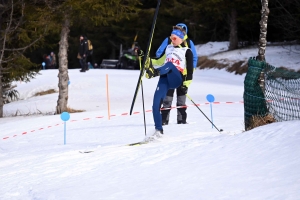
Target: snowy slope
277, 54
192, 161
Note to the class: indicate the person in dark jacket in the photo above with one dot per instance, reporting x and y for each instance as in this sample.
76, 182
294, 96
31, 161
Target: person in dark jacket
82, 52
47, 61
52, 60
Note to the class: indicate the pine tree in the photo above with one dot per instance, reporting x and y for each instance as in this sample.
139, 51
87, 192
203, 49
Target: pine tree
22, 28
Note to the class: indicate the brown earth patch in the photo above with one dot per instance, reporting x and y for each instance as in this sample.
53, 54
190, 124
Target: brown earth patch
239, 67
71, 110
257, 121
51, 91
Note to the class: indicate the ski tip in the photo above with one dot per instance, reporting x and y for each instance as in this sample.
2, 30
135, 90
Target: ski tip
221, 130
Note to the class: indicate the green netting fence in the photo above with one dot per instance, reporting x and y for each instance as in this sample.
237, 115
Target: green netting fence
280, 97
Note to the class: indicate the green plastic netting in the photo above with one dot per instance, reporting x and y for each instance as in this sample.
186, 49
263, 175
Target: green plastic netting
254, 99
281, 97
282, 93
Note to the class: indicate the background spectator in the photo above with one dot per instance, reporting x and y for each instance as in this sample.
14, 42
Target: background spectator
52, 57
90, 66
47, 61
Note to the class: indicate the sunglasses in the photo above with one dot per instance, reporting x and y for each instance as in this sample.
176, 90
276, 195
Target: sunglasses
173, 38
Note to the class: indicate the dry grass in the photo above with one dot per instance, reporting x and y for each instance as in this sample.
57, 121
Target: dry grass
257, 121
51, 91
205, 63
38, 112
239, 67
71, 110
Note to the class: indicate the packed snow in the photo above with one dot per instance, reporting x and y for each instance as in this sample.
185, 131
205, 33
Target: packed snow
191, 161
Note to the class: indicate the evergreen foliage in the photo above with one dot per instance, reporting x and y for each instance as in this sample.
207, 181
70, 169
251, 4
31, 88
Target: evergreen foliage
207, 21
22, 28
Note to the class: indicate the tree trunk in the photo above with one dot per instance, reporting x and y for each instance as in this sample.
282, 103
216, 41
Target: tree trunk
233, 37
1, 84
1, 94
263, 30
63, 76
263, 39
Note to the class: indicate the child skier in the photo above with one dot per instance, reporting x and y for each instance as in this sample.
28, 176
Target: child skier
175, 69
180, 96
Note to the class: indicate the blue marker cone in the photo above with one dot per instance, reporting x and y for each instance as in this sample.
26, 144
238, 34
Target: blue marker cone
210, 98
65, 116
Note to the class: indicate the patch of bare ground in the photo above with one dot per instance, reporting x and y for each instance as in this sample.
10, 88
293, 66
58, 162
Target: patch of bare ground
292, 70
238, 67
39, 112
71, 110
257, 121
50, 91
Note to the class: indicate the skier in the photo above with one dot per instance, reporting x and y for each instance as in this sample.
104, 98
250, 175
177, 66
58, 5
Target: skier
82, 52
175, 69
181, 98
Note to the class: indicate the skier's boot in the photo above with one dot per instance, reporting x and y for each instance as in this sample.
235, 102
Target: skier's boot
156, 135
182, 122
165, 122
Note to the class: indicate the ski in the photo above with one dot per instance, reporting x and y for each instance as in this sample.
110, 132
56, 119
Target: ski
147, 140
141, 143
137, 143
151, 139
88, 151
131, 144
146, 56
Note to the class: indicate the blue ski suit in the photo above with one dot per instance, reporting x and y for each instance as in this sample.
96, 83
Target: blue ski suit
170, 78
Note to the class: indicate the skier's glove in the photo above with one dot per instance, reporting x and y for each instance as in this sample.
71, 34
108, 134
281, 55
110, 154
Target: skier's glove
187, 83
151, 72
147, 63
184, 89
139, 52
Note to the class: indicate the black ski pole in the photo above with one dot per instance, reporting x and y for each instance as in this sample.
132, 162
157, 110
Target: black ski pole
144, 111
145, 128
145, 57
203, 113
